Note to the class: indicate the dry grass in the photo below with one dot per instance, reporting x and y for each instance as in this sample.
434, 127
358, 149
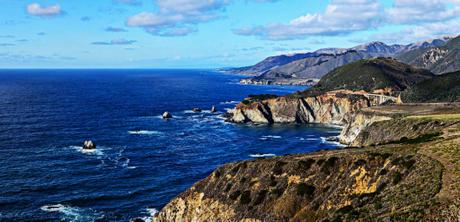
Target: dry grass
441, 117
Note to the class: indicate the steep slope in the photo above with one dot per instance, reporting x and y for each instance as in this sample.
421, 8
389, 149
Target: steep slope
407, 179
443, 88
319, 63
336, 97
372, 74
269, 63
314, 67
441, 59
331, 108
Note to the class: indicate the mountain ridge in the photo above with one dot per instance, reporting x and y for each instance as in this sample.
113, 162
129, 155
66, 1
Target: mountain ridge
307, 68
438, 59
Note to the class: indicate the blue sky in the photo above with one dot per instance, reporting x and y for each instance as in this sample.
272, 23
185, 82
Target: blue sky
205, 33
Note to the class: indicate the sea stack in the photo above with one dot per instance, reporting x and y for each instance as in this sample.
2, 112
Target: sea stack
167, 115
213, 109
196, 110
89, 145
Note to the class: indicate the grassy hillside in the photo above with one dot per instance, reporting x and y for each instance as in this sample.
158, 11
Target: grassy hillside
443, 88
370, 75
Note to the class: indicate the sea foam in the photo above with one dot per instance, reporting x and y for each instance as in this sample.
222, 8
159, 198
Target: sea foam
95, 152
262, 155
74, 214
145, 132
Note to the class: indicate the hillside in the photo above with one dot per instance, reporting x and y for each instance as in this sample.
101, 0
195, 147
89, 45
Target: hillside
269, 63
441, 59
297, 69
372, 74
409, 176
314, 67
443, 88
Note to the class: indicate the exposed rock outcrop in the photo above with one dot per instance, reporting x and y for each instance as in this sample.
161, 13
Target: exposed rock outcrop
407, 179
167, 115
328, 186
89, 145
335, 107
399, 123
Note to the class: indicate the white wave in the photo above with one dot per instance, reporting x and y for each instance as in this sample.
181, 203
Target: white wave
145, 132
262, 155
324, 141
74, 214
270, 137
97, 152
125, 163
308, 139
230, 102
152, 212
334, 126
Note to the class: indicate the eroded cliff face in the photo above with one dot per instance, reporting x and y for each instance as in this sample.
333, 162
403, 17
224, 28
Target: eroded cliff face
410, 175
332, 108
358, 123
397, 123
328, 186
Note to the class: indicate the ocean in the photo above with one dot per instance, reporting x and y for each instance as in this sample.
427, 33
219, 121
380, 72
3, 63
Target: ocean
141, 160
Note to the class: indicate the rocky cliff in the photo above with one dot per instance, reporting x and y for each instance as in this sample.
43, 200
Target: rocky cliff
328, 186
370, 126
410, 177
336, 107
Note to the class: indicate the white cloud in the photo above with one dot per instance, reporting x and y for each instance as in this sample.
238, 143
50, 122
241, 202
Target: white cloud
340, 17
38, 10
421, 11
421, 32
116, 42
175, 17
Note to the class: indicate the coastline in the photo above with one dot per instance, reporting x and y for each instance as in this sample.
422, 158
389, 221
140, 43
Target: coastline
360, 178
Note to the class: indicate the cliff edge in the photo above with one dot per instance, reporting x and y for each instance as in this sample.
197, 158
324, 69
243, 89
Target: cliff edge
407, 177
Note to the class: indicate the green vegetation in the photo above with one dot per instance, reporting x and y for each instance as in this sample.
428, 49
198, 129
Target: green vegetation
443, 88
369, 75
303, 189
258, 98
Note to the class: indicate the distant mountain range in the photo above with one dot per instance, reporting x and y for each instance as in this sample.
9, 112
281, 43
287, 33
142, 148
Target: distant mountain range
440, 59
306, 68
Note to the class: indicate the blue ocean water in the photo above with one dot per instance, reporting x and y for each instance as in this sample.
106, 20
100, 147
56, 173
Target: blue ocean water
142, 161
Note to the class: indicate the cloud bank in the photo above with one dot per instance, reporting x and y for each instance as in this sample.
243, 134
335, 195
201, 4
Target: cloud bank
177, 17
38, 10
347, 16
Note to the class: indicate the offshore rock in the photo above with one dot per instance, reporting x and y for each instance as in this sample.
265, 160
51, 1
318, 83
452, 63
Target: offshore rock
196, 110
167, 115
213, 109
89, 145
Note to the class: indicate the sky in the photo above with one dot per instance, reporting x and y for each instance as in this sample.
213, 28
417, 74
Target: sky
205, 33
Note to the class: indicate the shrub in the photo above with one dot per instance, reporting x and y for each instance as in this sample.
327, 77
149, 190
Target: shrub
245, 197
303, 189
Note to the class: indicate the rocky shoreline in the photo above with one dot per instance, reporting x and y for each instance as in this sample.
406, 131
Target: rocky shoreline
285, 82
389, 179
336, 107
400, 162
345, 184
